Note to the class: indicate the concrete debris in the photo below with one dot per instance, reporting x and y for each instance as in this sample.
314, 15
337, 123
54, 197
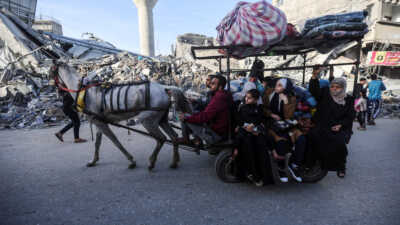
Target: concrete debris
125, 68
29, 102
391, 104
18, 110
18, 39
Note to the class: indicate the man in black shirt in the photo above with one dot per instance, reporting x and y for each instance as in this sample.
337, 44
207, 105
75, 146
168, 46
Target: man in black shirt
69, 110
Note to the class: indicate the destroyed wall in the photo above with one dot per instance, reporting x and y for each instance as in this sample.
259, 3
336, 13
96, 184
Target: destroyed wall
183, 50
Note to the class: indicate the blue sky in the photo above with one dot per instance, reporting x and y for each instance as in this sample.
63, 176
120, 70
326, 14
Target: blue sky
116, 21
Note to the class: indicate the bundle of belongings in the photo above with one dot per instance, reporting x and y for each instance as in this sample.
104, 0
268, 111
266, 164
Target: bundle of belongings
341, 26
306, 103
255, 26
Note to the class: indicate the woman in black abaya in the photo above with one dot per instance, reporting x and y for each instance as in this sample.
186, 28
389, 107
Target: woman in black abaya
334, 120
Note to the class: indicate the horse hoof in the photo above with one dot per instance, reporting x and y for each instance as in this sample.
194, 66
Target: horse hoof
173, 166
90, 164
132, 166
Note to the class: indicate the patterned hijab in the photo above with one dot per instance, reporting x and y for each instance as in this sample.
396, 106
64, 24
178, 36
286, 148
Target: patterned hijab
339, 96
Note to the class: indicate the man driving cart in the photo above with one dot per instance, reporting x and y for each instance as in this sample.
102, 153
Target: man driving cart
212, 124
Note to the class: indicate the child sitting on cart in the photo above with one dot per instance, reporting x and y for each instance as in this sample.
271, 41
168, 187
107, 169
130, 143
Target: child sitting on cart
250, 148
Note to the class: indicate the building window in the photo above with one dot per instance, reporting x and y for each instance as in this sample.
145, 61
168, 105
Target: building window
391, 12
369, 17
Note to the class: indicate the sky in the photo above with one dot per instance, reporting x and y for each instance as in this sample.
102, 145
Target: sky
116, 21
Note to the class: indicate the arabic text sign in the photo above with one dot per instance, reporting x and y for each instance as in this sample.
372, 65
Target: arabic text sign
380, 58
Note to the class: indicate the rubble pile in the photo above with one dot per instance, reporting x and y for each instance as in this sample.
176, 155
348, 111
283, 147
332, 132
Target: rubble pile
124, 68
25, 103
28, 102
391, 105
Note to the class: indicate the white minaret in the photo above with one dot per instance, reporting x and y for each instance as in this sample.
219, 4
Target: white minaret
146, 27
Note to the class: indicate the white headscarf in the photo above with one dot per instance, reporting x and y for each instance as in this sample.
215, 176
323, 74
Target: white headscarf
339, 96
283, 82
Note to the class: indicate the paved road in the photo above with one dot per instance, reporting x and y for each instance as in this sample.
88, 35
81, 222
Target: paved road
46, 182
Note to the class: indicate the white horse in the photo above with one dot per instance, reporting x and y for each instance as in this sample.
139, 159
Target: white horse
148, 104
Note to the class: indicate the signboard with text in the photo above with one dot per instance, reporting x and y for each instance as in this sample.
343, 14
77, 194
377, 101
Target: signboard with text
383, 58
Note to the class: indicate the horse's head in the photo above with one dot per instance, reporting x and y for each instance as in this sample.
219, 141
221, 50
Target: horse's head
179, 100
64, 75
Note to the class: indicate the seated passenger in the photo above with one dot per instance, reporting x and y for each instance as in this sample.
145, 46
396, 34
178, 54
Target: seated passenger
250, 146
298, 138
279, 104
211, 124
333, 119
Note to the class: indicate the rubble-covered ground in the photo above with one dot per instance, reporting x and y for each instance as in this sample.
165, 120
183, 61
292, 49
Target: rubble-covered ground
29, 102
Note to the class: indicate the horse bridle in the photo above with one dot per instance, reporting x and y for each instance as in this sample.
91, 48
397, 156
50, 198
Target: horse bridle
63, 87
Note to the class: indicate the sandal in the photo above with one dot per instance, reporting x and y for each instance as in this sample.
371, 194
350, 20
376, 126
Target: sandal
80, 140
59, 137
341, 173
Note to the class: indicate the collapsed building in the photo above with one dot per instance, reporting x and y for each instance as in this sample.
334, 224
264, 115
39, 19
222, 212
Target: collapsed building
27, 100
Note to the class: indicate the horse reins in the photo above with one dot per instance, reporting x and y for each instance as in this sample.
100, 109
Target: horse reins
62, 87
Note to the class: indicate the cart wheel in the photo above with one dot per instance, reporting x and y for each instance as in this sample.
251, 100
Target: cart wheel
225, 167
314, 174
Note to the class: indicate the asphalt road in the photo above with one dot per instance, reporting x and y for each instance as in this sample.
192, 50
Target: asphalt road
46, 182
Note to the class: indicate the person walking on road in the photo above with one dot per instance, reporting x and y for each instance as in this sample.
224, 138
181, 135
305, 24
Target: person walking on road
69, 110
375, 88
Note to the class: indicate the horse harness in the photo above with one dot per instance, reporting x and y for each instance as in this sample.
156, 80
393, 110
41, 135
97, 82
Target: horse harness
117, 89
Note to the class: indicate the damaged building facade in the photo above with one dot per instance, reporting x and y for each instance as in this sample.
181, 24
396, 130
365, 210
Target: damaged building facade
183, 46
383, 20
24, 9
48, 25
27, 96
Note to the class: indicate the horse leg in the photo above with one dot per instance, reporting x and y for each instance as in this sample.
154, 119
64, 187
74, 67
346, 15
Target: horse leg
154, 130
97, 144
173, 135
110, 134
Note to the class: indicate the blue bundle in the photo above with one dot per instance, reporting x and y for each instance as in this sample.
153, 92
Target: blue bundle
341, 26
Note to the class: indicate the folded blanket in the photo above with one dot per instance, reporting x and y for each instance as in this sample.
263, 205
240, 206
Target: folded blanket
339, 18
348, 26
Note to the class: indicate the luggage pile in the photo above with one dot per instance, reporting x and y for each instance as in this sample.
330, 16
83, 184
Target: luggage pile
253, 28
341, 26
258, 25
